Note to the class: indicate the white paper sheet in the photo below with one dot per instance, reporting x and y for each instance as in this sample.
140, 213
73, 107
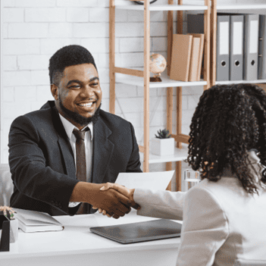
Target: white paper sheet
151, 180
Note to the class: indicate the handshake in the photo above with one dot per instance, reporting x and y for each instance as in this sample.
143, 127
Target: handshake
116, 200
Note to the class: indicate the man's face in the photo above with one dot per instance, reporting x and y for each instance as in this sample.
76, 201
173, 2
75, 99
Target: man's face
79, 92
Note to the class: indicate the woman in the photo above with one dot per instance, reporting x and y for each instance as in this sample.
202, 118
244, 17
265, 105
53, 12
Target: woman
224, 215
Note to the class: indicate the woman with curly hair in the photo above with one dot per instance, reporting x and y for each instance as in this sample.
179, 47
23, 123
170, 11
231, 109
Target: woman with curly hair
224, 215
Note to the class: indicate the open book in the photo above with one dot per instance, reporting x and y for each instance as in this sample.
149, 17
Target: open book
33, 221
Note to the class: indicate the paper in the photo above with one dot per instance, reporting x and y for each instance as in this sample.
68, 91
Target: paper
151, 180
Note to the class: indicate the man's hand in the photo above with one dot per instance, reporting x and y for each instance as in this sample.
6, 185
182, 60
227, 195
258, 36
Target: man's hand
115, 203
121, 189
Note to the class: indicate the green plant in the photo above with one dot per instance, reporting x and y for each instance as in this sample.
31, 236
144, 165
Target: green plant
163, 134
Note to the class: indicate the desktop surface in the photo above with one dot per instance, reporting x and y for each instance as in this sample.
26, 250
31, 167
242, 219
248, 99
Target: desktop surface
76, 243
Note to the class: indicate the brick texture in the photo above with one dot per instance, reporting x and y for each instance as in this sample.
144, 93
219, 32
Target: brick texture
35, 29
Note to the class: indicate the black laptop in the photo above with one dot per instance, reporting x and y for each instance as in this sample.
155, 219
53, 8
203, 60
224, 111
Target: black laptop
139, 232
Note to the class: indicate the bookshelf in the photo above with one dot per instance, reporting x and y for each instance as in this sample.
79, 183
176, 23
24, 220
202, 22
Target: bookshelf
142, 77
227, 7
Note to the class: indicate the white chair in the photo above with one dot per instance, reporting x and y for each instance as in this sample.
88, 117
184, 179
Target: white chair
249, 263
6, 185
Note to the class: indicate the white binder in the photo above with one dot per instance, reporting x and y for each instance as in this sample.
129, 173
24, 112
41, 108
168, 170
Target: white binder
251, 38
236, 47
262, 48
222, 52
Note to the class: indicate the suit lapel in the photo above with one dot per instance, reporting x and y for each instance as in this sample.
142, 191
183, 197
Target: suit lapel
102, 150
64, 144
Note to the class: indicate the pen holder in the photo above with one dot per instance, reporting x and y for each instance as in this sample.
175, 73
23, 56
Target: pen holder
13, 230
5, 236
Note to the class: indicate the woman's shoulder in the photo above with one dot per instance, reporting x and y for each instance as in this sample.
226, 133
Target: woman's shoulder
225, 188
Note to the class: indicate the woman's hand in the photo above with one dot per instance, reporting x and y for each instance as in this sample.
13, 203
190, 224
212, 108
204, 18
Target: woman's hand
127, 192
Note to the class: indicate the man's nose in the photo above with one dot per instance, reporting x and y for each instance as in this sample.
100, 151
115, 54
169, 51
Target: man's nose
86, 91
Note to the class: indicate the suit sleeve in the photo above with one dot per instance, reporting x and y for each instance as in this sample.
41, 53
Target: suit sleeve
134, 161
28, 167
204, 230
160, 204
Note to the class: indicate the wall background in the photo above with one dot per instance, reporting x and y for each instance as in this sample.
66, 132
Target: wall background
34, 29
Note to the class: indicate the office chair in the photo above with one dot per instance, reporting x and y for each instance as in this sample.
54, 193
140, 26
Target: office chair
249, 263
6, 186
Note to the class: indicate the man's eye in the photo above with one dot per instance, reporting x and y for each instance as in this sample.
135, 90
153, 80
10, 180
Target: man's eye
74, 87
94, 84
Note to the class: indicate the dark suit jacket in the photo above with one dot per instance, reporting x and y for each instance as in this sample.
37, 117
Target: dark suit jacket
42, 163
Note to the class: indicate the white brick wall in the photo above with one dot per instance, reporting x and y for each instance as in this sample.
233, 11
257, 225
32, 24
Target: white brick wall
34, 29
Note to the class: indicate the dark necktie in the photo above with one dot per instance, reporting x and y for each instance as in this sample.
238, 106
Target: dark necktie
81, 161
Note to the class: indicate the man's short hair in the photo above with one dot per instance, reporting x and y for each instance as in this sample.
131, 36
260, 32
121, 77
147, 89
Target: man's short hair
68, 56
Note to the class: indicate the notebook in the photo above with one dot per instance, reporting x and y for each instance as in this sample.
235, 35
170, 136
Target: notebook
33, 221
139, 232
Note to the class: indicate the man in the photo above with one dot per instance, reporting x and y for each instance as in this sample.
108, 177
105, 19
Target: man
61, 154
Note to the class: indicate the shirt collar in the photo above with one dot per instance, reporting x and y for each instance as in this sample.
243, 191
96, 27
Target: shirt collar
69, 127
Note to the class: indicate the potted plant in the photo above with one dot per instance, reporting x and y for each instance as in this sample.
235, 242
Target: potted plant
163, 144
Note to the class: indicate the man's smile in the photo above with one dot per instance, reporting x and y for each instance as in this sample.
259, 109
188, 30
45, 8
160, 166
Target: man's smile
87, 106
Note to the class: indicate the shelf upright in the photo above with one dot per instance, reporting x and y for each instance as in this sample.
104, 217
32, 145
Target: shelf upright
146, 85
142, 78
112, 56
213, 41
169, 106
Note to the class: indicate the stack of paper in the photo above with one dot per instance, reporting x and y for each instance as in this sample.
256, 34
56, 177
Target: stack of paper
33, 221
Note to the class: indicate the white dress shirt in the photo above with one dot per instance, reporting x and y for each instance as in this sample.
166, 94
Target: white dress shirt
69, 127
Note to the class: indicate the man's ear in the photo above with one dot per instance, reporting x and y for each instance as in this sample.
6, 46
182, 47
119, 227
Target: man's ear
54, 91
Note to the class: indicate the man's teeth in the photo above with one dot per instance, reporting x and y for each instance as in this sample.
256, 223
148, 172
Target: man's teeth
85, 104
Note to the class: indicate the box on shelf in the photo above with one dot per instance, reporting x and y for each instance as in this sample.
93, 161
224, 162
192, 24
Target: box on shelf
162, 147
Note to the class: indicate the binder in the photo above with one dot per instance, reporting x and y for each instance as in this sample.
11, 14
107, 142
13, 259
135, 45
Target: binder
195, 23
222, 48
194, 61
181, 53
236, 47
251, 36
262, 48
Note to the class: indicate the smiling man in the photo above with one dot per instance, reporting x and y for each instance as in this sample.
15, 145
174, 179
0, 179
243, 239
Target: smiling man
61, 155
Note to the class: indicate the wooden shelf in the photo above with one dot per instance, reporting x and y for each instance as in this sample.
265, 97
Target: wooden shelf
141, 78
180, 155
166, 82
163, 7
240, 81
241, 6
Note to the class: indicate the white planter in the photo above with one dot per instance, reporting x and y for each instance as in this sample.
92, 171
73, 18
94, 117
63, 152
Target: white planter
163, 147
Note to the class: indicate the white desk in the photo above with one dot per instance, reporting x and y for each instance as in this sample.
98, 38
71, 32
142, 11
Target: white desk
76, 245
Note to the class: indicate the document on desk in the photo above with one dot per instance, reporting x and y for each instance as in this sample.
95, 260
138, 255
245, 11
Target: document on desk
151, 180
33, 221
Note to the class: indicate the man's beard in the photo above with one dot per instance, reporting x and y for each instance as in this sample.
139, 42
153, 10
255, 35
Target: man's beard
76, 117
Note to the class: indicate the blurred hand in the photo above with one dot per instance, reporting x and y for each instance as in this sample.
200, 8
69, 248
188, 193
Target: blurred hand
113, 202
121, 189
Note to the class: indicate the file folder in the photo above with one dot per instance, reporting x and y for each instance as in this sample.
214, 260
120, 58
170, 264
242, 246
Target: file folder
200, 59
194, 61
222, 48
251, 33
236, 47
262, 48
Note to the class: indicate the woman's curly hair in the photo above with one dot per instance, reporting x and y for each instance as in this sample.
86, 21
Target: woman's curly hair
229, 121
